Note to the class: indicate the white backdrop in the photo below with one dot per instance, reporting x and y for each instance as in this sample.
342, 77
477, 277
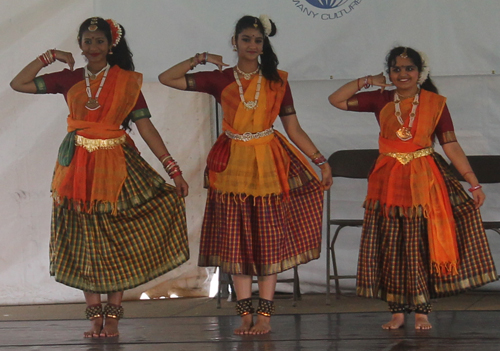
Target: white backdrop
321, 54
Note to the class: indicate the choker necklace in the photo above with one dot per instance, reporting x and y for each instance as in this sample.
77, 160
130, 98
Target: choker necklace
249, 105
92, 103
94, 75
245, 75
404, 133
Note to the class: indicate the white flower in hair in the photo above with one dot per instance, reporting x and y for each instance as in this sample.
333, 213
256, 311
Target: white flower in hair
266, 23
425, 68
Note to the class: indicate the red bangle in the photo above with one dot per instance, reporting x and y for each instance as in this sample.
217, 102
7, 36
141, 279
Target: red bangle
479, 186
357, 81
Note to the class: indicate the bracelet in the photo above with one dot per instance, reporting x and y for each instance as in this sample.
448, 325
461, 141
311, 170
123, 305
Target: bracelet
315, 155
318, 161
479, 186
47, 57
366, 85
357, 82
205, 57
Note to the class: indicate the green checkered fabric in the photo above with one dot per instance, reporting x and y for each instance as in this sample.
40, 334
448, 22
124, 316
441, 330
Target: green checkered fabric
104, 253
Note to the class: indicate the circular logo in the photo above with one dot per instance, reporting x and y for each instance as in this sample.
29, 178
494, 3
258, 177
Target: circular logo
327, 4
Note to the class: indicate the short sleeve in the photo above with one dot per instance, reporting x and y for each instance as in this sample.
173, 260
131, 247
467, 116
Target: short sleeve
445, 131
140, 109
57, 82
202, 82
370, 101
287, 107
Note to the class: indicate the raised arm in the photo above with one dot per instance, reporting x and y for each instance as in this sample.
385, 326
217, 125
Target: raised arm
300, 138
151, 136
23, 81
174, 76
457, 157
340, 96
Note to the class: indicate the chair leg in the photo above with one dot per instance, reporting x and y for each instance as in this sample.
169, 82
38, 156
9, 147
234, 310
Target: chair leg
219, 288
334, 261
296, 287
328, 302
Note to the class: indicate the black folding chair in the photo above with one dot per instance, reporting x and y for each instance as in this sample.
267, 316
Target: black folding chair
346, 164
487, 171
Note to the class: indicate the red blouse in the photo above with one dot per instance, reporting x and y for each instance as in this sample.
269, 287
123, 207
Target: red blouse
62, 81
374, 101
214, 82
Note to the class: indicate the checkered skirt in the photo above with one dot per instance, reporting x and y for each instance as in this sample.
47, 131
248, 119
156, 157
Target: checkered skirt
104, 253
264, 235
394, 262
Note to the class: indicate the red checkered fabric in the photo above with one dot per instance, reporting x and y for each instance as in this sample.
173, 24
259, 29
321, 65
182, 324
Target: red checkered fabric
394, 263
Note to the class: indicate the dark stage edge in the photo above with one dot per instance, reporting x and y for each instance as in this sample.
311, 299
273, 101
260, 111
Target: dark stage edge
453, 330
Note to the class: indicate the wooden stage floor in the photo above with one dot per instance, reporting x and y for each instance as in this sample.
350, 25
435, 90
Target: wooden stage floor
195, 324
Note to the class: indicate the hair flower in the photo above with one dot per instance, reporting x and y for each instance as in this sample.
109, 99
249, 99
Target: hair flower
266, 23
425, 68
116, 31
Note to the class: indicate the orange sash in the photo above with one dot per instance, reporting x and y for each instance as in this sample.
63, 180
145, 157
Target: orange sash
417, 186
97, 177
258, 167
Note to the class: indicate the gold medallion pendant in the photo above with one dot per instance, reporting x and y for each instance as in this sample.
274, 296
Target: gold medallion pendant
92, 104
404, 133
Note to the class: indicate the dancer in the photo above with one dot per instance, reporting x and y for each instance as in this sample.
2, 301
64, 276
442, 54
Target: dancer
116, 224
422, 234
264, 207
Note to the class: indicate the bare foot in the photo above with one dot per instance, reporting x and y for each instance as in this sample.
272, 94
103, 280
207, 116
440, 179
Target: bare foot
96, 328
246, 325
421, 322
263, 325
397, 321
110, 329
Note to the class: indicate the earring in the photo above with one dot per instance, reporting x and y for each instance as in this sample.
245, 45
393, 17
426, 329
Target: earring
110, 52
235, 48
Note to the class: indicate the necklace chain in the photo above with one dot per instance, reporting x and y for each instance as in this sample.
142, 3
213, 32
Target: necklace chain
93, 103
249, 105
404, 133
245, 75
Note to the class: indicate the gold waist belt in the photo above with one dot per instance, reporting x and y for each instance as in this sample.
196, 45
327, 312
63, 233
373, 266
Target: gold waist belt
249, 136
406, 157
92, 145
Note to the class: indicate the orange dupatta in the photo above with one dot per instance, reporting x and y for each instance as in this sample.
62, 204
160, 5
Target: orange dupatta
258, 167
97, 177
418, 184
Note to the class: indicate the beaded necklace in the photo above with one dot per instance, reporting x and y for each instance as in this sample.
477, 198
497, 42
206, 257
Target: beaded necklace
249, 105
404, 133
93, 103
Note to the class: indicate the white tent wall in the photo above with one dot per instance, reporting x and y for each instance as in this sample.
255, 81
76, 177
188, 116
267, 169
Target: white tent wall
458, 36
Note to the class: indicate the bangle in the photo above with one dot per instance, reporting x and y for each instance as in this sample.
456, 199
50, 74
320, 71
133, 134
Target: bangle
473, 188
205, 57
357, 81
315, 155
366, 85
320, 160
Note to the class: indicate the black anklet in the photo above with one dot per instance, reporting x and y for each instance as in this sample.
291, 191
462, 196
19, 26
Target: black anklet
266, 307
244, 307
424, 308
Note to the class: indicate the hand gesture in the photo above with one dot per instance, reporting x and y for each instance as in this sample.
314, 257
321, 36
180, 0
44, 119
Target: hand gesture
379, 81
181, 186
216, 60
479, 197
65, 57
